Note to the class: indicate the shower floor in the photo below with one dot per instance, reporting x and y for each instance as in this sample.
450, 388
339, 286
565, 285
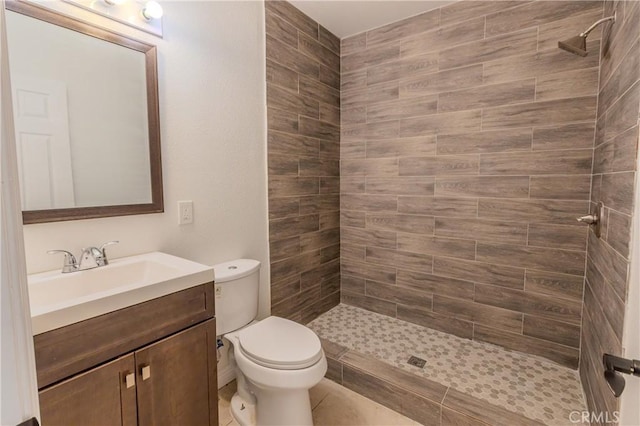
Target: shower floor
524, 384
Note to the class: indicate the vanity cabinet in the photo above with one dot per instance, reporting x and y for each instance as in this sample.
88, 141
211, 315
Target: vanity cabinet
169, 378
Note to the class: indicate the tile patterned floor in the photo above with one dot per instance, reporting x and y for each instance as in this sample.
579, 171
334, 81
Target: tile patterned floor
528, 385
332, 404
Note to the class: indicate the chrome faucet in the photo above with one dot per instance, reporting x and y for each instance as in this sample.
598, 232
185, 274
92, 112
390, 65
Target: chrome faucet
91, 257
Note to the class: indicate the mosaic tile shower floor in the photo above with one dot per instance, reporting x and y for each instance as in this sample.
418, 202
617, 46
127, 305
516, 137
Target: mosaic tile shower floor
524, 384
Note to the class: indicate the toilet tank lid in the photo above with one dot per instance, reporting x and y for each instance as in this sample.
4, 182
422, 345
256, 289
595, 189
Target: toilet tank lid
234, 269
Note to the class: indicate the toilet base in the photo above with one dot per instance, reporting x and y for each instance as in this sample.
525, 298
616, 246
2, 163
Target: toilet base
242, 412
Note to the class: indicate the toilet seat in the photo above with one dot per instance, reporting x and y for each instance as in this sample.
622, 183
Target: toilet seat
280, 344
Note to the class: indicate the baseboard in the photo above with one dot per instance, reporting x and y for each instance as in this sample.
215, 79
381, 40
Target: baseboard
226, 375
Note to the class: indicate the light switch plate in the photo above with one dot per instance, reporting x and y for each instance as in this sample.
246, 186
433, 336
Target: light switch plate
185, 212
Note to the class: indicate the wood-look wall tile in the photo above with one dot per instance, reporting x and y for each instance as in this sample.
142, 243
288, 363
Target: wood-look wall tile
568, 84
461, 121
369, 237
397, 258
368, 57
283, 207
569, 136
310, 166
405, 185
382, 92
604, 335
367, 202
539, 113
321, 239
439, 38
312, 88
537, 163
294, 16
557, 285
294, 265
318, 129
285, 288
352, 44
624, 113
352, 251
538, 63
379, 130
291, 102
368, 272
444, 323
505, 276
610, 263
281, 76
404, 28
329, 220
438, 206
352, 284
488, 49
324, 272
283, 248
284, 186
416, 407
483, 186
467, 9
421, 145
281, 120
328, 39
398, 294
281, 165
315, 204
352, 184
553, 331
436, 284
485, 142
289, 144
549, 211
327, 254
553, 260
403, 68
292, 307
541, 305
617, 154
618, 39
325, 303
616, 191
558, 236
372, 304
282, 228
482, 230
352, 81
619, 232
620, 81
281, 29
558, 353
550, 33
354, 115
400, 223
442, 81
488, 96
403, 108
291, 58
561, 187
370, 167
478, 313
454, 418
439, 165
314, 49
534, 14
458, 248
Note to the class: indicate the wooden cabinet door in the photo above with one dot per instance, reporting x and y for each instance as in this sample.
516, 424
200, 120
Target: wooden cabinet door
176, 379
96, 397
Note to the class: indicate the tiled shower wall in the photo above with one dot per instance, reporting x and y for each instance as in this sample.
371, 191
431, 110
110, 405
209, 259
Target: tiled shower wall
303, 108
613, 184
466, 156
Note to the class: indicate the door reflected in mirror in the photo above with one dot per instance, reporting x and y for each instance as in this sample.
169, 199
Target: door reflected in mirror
86, 118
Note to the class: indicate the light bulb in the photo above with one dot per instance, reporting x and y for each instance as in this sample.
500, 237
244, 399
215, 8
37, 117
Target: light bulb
114, 2
152, 10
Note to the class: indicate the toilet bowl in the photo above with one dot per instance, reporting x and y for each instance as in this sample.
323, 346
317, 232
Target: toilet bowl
276, 360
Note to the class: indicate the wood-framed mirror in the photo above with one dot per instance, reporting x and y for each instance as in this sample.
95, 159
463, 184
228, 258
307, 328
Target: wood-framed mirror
86, 116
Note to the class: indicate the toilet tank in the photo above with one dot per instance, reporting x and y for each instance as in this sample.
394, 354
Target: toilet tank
236, 294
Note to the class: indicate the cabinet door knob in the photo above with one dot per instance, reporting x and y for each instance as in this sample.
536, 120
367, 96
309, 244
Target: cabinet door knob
130, 380
145, 371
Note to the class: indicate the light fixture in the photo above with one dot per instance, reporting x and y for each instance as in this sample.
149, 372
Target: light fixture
152, 10
114, 2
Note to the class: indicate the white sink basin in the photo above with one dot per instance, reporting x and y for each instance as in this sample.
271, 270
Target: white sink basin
59, 299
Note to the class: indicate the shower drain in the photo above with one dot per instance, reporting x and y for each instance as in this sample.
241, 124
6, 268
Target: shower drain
417, 362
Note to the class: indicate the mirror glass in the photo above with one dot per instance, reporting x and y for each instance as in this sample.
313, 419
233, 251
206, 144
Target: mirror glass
85, 113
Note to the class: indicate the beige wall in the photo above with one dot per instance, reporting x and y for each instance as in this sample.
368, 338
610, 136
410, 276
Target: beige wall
303, 103
466, 156
212, 96
614, 169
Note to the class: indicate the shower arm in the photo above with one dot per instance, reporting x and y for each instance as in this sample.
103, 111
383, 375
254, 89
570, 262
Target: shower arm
598, 22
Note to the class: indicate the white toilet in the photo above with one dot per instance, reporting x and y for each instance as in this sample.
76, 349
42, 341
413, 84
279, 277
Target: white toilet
277, 360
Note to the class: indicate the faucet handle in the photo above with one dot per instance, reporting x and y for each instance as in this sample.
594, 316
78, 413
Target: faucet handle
104, 253
70, 262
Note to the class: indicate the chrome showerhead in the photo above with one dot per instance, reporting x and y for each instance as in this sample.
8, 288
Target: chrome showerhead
576, 45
